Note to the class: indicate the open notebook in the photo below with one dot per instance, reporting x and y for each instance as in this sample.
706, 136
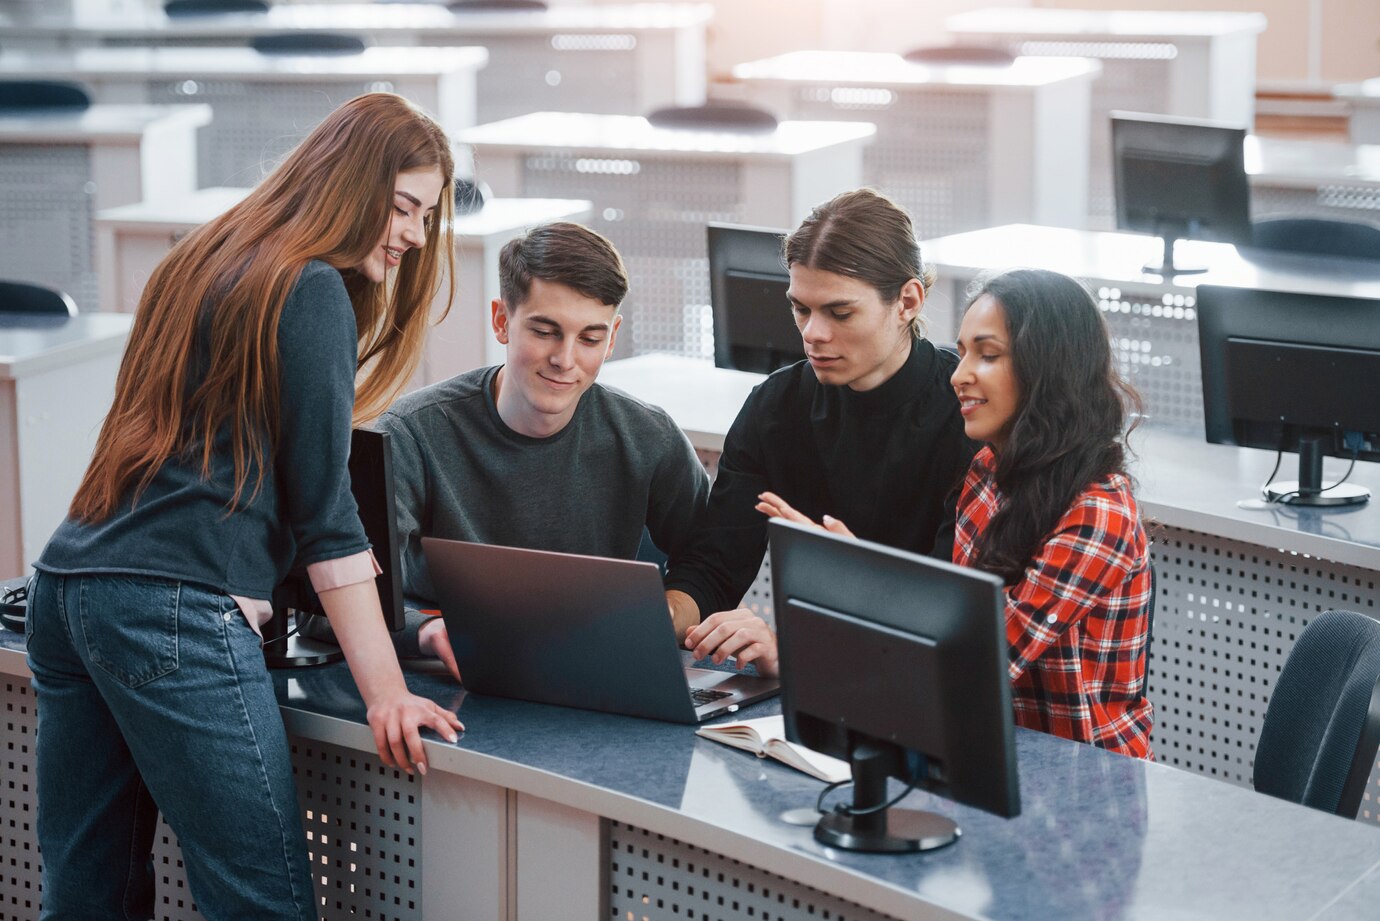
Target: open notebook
766, 738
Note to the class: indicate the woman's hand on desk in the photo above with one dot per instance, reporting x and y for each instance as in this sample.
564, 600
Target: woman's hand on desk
434, 640
773, 506
738, 633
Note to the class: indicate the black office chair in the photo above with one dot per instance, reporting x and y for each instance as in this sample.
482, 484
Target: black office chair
42, 95
960, 54
716, 115
213, 7
470, 195
1322, 728
474, 6
1317, 236
308, 43
22, 297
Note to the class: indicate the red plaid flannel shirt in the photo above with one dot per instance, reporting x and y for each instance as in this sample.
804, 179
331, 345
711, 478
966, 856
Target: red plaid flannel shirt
1077, 622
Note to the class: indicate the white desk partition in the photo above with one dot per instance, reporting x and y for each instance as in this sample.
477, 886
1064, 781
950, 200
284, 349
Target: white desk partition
1152, 319
628, 58
654, 189
1199, 64
140, 235
1364, 99
56, 171
962, 147
1324, 179
263, 104
57, 379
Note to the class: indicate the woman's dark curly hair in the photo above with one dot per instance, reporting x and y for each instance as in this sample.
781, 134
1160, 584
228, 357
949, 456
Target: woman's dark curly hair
1069, 430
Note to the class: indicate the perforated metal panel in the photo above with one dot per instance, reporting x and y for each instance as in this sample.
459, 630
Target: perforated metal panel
931, 152
19, 863
255, 123
363, 825
1154, 340
654, 210
1226, 616
594, 72
652, 876
1334, 200
47, 232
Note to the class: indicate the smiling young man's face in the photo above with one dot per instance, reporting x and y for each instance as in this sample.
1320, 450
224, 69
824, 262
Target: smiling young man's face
557, 340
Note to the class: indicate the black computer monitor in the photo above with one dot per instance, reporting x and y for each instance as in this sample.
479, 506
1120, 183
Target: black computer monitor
312, 642
897, 663
1293, 372
1180, 178
753, 326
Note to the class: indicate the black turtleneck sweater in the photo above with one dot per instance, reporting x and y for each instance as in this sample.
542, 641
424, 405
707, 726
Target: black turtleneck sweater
886, 462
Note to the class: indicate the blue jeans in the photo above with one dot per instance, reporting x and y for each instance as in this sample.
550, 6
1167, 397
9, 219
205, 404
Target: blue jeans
153, 695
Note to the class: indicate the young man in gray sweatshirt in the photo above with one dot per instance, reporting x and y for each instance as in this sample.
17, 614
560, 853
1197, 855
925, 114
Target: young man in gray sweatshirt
533, 453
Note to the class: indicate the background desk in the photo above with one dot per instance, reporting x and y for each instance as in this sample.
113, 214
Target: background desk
1233, 587
653, 189
1198, 64
56, 171
140, 236
57, 380
961, 147
1152, 319
1364, 99
263, 104
545, 813
1326, 179
617, 58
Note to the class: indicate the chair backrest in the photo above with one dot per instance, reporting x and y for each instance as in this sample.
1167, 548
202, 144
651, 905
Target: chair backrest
308, 43
213, 7
960, 54
475, 6
21, 297
1317, 236
716, 115
37, 95
1322, 728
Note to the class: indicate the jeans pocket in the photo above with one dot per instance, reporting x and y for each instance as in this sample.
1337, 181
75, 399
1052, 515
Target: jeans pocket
130, 626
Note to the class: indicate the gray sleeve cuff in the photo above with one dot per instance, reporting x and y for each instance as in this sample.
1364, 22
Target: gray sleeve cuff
405, 642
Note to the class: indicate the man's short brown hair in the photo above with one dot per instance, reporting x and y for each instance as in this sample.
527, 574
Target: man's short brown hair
562, 253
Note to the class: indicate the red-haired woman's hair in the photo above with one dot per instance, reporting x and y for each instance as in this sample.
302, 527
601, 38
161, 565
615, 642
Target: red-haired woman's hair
330, 199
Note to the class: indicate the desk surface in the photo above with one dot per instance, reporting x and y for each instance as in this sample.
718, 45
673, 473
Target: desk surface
1123, 24
1307, 164
499, 215
99, 124
882, 69
1100, 836
361, 17
240, 63
35, 342
634, 134
1109, 257
1366, 92
1183, 481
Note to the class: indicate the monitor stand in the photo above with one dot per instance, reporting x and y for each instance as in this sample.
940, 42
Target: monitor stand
1309, 489
284, 648
1166, 267
889, 831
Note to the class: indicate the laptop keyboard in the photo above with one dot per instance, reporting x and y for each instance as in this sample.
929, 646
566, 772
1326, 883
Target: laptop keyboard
702, 696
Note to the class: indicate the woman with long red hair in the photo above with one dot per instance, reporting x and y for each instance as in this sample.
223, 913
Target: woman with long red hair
258, 341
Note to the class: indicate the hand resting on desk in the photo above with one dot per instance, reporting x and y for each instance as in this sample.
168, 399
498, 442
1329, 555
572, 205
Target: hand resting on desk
433, 640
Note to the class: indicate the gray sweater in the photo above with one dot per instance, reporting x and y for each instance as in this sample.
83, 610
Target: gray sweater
461, 473
304, 511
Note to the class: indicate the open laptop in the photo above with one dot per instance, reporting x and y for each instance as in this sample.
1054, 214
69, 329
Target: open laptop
579, 631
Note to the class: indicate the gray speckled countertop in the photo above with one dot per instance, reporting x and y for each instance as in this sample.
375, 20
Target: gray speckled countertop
1100, 836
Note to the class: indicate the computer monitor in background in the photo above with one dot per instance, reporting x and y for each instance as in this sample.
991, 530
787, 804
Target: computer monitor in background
753, 326
311, 642
1180, 178
1293, 372
898, 664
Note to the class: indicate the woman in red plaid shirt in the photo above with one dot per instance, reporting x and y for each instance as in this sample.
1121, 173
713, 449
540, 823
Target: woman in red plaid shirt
1047, 505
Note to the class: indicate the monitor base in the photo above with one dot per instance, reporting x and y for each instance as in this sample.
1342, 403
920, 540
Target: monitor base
904, 831
300, 652
1165, 271
1288, 493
